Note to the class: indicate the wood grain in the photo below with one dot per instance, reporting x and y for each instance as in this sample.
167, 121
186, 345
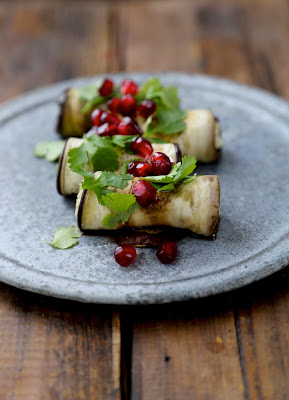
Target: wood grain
186, 351
55, 349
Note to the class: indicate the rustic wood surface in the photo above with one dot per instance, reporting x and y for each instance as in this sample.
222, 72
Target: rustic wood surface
232, 346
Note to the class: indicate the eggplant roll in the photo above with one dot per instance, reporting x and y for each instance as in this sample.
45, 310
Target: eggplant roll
201, 138
67, 181
194, 206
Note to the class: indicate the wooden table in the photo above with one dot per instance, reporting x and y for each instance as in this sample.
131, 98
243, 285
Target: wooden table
232, 346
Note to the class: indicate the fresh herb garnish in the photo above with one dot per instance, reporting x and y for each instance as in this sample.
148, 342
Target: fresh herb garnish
49, 150
169, 122
179, 174
123, 205
164, 97
64, 237
100, 185
95, 153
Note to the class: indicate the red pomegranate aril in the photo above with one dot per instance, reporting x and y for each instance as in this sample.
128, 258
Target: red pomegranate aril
110, 118
137, 168
129, 127
167, 252
114, 105
95, 117
145, 193
107, 130
128, 105
92, 131
106, 88
146, 108
161, 163
141, 147
128, 86
124, 254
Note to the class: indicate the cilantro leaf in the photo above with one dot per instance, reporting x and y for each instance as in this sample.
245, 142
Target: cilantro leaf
122, 140
89, 91
64, 237
122, 204
169, 122
164, 97
95, 152
99, 186
49, 150
105, 159
179, 174
111, 220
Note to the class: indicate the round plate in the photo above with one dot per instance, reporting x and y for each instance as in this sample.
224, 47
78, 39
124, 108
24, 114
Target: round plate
253, 238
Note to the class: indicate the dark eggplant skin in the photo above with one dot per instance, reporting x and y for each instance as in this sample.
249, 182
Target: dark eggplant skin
178, 153
71, 122
60, 162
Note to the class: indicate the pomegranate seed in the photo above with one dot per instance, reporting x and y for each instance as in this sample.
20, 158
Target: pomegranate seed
92, 131
124, 254
128, 105
128, 86
110, 118
146, 108
114, 105
141, 147
128, 127
167, 252
107, 129
95, 117
106, 88
161, 163
145, 193
137, 168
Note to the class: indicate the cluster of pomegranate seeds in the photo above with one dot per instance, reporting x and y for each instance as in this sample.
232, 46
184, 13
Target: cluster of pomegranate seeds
124, 254
95, 117
107, 129
128, 86
106, 88
141, 147
137, 168
145, 193
146, 108
161, 163
167, 252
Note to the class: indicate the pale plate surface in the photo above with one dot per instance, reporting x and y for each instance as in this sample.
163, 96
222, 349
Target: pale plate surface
253, 239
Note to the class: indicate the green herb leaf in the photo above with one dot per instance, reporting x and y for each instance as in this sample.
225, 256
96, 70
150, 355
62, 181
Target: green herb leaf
105, 159
169, 122
49, 150
165, 97
99, 186
122, 204
179, 174
122, 140
111, 220
90, 91
95, 152
64, 237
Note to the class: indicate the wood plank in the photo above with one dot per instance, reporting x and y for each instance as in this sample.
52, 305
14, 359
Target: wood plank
264, 335
49, 348
56, 349
186, 351
51, 42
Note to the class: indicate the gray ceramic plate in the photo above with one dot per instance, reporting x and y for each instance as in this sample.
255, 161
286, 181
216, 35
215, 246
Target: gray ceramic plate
253, 239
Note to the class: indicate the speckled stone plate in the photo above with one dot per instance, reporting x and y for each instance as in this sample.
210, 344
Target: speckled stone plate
253, 238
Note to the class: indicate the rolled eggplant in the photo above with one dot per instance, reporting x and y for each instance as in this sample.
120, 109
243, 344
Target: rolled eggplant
201, 138
194, 206
67, 181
